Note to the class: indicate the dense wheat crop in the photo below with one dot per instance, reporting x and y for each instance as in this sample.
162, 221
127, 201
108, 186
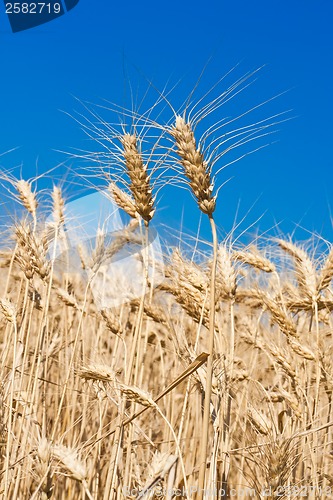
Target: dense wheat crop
105, 399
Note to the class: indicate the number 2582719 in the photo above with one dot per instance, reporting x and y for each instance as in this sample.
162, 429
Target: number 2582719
32, 8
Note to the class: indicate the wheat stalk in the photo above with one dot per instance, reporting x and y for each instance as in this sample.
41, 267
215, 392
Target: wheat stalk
198, 173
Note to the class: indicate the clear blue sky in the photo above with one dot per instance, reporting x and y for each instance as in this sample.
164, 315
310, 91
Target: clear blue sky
88, 52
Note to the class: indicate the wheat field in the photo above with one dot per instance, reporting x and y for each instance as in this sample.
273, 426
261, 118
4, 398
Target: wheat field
215, 381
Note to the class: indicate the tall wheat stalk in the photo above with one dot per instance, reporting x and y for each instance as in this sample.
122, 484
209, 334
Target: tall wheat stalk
198, 174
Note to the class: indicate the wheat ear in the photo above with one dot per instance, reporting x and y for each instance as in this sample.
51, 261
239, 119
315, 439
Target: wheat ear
196, 168
123, 200
27, 197
255, 259
140, 184
305, 272
58, 206
326, 273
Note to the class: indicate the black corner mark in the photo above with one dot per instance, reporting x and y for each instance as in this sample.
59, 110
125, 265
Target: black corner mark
24, 15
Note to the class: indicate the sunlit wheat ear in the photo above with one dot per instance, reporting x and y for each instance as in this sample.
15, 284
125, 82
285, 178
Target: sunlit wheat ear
280, 317
278, 355
189, 302
103, 252
253, 258
140, 182
280, 358
153, 311
43, 468
27, 196
305, 270
277, 396
32, 251
67, 298
97, 372
22, 236
123, 200
58, 206
73, 465
278, 461
226, 282
196, 168
259, 420
326, 272
137, 395
187, 273
301, 350
71, 462
112, 321
8, 310
158, 468
292, 402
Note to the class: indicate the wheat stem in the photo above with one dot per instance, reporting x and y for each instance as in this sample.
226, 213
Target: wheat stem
208, 389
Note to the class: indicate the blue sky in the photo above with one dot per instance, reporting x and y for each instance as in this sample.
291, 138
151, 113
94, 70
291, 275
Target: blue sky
91, 52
